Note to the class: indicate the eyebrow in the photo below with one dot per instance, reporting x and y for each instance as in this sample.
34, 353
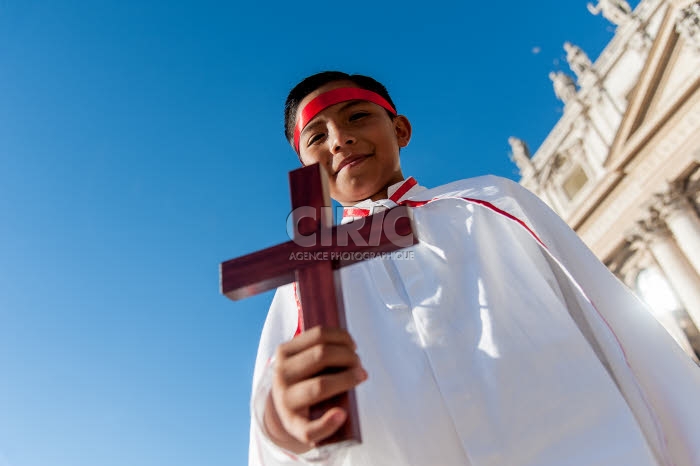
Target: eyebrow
341, 109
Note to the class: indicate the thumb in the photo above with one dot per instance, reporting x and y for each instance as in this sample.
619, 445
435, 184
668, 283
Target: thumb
326, 425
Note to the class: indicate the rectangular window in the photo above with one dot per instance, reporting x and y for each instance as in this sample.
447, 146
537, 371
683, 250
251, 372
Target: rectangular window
576, 180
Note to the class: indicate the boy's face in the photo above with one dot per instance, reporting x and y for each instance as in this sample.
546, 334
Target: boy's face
358, 144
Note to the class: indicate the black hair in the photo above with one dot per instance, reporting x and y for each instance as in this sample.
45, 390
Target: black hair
310, 84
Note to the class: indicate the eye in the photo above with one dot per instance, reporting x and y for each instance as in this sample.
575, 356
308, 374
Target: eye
358, 115
315, 138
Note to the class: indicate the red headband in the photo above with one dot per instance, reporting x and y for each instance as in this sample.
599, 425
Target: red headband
332, 97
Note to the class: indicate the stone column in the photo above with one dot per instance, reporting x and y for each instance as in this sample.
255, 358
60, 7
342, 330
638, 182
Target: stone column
628, 269
678, 213
681, 275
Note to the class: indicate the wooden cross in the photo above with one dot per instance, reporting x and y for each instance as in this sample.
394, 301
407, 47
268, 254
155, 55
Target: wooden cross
318, 248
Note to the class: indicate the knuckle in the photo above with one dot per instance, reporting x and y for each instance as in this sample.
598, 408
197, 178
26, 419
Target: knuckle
286, 398
278, 375
316, 388
277, 382
319, 353
317, 332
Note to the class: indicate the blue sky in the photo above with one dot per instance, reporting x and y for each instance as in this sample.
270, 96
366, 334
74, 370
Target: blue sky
141, 145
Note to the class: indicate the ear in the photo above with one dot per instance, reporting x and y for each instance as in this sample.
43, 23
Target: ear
402, 129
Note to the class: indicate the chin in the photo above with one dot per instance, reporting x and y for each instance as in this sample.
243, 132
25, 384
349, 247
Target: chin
359, 196
358, 187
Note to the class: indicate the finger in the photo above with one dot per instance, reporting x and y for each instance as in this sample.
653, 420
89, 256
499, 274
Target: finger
315, 359
312, 432
315, 336
312, 391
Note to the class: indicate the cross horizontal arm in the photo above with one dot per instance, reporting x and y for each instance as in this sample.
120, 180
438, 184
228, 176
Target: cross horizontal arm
272, 267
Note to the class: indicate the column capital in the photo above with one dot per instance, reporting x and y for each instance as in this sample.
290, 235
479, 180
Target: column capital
688, 25
672, 200
648, 230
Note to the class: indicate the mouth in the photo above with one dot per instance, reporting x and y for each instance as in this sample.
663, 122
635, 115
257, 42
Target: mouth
351, 161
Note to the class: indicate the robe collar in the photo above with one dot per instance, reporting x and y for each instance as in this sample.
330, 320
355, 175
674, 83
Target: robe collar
397, 193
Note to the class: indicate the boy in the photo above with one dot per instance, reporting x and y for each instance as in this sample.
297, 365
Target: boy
485, 348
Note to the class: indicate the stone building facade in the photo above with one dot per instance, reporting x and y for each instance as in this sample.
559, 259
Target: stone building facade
622, 165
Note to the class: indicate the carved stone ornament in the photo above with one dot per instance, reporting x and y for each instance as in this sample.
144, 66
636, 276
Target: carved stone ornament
576, 151
672, 199
640, 40
688, 24
520, 153
649, 229
617, 12
559, 161
564, 87
577, 59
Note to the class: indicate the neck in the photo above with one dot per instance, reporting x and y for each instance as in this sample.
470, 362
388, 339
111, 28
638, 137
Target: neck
382, 193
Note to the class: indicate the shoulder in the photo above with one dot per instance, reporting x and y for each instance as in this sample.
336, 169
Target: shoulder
481, 187
497, 194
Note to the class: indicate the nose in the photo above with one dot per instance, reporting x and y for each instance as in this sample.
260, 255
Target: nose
341, 138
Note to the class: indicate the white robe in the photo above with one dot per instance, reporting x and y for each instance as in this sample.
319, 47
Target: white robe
489, 348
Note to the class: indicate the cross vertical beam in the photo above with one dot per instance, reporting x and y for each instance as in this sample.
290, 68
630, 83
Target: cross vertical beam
318, 286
